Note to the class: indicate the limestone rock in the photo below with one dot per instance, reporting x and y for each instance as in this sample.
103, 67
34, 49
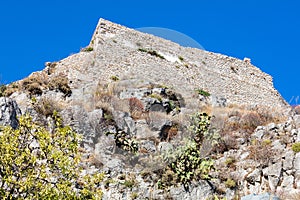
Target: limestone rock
265, 196
9, 111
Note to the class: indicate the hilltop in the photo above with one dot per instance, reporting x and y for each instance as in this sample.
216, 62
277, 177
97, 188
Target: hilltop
135, 98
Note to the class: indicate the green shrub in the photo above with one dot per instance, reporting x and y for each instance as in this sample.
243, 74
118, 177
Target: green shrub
202, 92
37, 164
129, 183
230, 183
114, 78
296, 147
2, 90
87, 49
229, 161
124, 142
188, 162
152, 53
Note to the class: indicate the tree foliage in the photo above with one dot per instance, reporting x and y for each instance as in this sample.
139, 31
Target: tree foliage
38, 164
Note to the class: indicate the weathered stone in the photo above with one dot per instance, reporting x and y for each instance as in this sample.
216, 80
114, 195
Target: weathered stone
201, 191
287, 181
273, 170
266, 196
9, 111
148, 146
271, 127
157, 121
217, 101
165, 147
254, 176
288, 160
259, 134
298, 136
277, 145
124, 122
297, 162
134, 93
143, 131
273, 182
297, 121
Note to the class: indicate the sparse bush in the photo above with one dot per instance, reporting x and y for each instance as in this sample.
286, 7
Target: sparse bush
261, 152
296, 147
36, 164
229, 162
35, 84
230, 183
134, 195
156, 96
2, 90
250, 121
136, 107
87, 49
129, 183
61, 84
181, 58
152, 53
46, 106
10, 89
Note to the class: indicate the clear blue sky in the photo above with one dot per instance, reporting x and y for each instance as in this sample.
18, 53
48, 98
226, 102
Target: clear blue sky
267, 31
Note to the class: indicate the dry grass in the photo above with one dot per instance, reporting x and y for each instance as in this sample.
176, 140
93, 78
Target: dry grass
60, 83
261, 152
136, 108
46, 106
35, 83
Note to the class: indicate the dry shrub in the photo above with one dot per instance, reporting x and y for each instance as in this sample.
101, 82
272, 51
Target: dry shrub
297, 111
250, 120
227, 142
261, 152
7, 90
136, 108
168, 133
46, 106
61, 83
34, 84
104, 92
93, 160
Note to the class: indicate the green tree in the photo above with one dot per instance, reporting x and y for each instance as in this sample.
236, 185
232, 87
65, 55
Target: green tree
38, 164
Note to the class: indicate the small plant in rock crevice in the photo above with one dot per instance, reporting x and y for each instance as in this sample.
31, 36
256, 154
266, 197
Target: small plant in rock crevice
203, 92
152, 53
296, 147
87, 49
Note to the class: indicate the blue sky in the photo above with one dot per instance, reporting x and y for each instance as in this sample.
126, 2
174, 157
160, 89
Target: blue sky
33, 32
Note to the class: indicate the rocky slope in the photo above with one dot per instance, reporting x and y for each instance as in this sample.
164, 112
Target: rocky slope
131, 95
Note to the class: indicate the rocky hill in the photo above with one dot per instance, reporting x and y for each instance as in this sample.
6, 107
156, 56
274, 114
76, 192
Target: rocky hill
137, 99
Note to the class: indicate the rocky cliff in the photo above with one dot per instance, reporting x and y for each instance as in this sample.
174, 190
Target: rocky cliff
131, 95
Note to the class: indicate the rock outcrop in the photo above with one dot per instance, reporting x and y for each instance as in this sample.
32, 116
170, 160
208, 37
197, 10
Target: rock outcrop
9, 111
131, 95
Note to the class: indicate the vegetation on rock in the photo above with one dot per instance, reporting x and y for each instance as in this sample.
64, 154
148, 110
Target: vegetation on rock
38, 164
